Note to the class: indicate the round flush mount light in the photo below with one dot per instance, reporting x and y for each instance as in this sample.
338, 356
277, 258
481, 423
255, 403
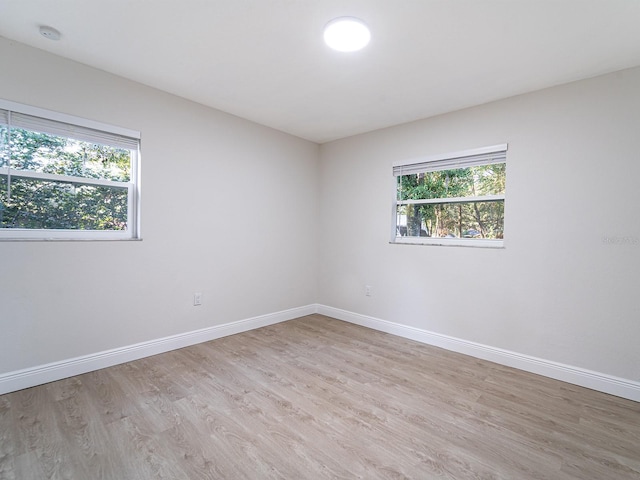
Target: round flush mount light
346, 34
49, 33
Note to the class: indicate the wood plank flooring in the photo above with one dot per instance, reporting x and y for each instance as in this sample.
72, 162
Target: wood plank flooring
315, 398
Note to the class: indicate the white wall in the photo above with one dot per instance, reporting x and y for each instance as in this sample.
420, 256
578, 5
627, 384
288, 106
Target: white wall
557, 291
229, 208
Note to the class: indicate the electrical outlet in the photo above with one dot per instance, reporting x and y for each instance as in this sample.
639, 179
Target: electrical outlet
368, 290
197, 299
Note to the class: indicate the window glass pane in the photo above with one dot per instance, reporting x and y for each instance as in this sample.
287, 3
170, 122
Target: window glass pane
3, 198
40, 204
490, 179
4, 151
41, 152
451, 220
462, 182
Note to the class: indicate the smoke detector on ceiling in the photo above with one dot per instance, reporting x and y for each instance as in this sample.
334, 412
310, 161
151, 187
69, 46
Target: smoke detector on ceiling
49, 33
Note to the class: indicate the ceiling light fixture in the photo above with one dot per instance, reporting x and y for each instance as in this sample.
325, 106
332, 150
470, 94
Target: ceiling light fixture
49, 33
346, 34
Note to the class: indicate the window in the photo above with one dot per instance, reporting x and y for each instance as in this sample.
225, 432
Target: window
63, 177
452, 199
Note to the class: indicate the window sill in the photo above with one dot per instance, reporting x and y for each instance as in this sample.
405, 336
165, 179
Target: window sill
448, 242
17, 239
36, 235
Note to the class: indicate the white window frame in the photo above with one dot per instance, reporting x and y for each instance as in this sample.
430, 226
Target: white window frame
446, 161
78, 128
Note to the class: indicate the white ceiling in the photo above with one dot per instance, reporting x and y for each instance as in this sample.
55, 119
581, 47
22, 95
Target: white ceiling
265, 60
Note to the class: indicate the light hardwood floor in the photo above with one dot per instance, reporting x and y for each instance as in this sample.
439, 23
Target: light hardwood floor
315, 398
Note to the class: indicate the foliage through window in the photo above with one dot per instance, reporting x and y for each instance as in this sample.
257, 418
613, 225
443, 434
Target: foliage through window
453, 199
65, 177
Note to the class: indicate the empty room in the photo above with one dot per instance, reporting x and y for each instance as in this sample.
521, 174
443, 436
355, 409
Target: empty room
318, 239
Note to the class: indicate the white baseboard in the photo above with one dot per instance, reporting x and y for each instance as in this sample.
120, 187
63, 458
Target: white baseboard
578, 376
30, 377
